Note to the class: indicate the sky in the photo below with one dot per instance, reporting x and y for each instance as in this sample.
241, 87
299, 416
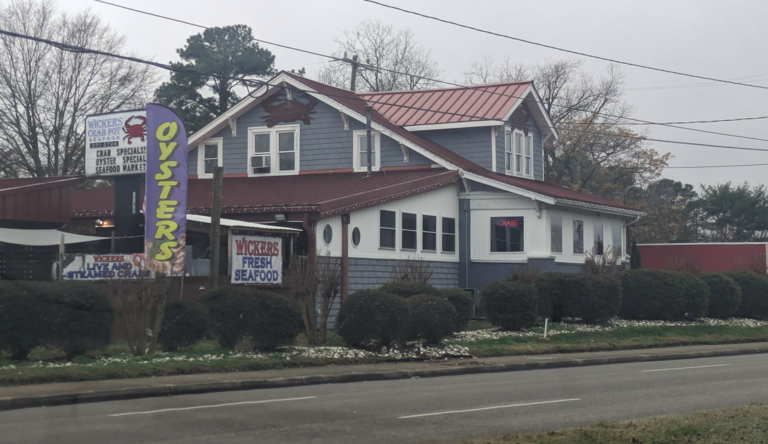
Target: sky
715, 39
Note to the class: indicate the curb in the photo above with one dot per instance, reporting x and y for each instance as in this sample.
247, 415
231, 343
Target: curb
253, 384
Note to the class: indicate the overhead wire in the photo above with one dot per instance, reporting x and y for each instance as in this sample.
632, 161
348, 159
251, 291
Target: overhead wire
260, 83
640, 121
556, 48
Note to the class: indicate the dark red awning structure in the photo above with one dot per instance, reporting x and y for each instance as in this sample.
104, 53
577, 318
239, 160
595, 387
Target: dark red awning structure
37, 199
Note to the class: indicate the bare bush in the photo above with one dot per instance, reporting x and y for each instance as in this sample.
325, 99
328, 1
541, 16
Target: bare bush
682, 264
752, 264
607, 264
524, 273
301, 284
329, 275
412, 270
141, 305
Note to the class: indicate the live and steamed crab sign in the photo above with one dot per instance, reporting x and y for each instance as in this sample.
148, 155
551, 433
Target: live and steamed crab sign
166, 191
116, 143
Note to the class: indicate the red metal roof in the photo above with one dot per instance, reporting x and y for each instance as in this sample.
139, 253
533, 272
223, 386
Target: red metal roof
323, 194
551, 189
45, 199
448, 105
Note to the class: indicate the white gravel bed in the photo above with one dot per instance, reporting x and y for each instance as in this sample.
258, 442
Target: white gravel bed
415, 350
559, 328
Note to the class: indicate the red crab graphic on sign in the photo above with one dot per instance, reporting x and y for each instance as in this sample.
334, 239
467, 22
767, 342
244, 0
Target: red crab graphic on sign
281, 107
135, 127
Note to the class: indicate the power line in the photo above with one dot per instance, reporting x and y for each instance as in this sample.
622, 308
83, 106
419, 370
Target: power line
718, 166
641, 122
78, 49
672, 126
688, 122
636, 65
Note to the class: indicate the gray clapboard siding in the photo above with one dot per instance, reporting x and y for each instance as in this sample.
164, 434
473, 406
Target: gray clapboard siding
324, 144
472, 143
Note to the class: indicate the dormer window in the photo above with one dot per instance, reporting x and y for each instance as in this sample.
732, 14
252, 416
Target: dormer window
209, 156
273, 151
360, 154
518, 154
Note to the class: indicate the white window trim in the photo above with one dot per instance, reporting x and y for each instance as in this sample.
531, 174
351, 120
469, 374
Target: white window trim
436, 232
455, 234
402, 230
502, 253
562, 235
526, 139
513, 164
274, 159
376, 136
201, 156
396, 228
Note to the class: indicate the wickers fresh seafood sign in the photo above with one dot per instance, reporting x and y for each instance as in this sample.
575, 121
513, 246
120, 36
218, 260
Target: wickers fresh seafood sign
256, 259
165, 235
116, 143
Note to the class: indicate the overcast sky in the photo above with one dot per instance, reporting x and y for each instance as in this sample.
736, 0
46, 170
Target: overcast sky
716, 39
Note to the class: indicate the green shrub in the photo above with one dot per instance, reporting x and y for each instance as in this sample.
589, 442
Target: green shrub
754, 294
593, 298
602, 302
406, 289
510, 305
462, 302
432, 318
277, 321
695, 296
75, 316
184, 325
663, 295
81, 313
724, 295
373, 318
237, 313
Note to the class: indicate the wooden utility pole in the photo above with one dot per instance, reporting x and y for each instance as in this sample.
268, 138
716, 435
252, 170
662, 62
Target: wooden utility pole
354, 64
218, 184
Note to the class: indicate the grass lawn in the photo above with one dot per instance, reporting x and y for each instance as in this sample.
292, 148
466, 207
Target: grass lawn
747, 425
208, 357
619, 339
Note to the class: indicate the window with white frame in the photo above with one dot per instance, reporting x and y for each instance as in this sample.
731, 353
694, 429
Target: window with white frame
518, 153
449, 235
556, 234
387, 229
528, 156
209, 156
273, 150
360, 153
408, 232
616, 237
429, 233
598, 249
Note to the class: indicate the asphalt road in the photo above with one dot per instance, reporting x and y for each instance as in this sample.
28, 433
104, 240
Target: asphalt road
443, 409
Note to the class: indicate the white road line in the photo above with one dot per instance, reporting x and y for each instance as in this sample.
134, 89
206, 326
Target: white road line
683, 368
488, 408
211, 406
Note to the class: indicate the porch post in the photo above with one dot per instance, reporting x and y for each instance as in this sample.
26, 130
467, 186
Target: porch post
344, 257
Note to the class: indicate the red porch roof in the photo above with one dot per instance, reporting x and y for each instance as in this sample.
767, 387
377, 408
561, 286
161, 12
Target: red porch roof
44, 199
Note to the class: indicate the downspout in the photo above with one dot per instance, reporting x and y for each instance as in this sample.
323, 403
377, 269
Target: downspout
345, 218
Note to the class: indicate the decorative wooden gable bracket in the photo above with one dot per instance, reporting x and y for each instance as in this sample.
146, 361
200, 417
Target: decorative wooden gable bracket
406, 153
232, 125
539, 206
345, 118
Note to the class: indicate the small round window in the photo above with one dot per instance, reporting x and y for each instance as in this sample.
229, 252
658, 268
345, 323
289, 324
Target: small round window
356, 237
327, 234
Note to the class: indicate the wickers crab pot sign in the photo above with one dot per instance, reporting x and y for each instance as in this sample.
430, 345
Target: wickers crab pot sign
256, 259
116, 143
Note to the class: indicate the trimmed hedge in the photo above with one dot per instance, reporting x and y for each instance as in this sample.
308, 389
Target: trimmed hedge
462, 302
406, 289
432, 318
593, 298
373, 318
724, 295
74, 316
266, 319
184, 325
510, 305
663, 295
754, 294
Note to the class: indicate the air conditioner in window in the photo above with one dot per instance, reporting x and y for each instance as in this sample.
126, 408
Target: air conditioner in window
259, 162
